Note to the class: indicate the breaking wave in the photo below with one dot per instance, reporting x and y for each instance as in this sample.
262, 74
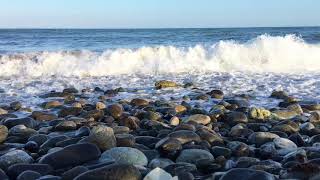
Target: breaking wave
278, 54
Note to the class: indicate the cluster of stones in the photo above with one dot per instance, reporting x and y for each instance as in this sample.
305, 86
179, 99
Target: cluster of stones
71, 138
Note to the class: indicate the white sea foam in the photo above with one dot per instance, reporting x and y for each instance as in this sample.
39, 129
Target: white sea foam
279, 54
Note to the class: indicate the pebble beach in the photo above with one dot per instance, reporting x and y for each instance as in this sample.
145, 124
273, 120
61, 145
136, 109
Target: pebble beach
70, 137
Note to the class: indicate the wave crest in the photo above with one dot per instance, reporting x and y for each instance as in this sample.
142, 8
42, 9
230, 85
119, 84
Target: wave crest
278, 54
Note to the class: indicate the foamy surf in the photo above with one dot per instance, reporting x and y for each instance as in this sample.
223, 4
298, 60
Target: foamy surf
277, 54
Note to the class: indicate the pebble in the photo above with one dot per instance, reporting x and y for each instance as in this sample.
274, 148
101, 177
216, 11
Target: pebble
14, 157
102, 136
126, 155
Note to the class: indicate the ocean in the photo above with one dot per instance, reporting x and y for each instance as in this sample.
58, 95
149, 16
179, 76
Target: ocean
252, 61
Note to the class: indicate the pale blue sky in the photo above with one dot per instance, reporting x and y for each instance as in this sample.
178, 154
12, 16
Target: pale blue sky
157, 13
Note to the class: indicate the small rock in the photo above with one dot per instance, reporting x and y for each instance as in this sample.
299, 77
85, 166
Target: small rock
174, 121
165, 84
259, 113
192, 155
102, 136
3, 133
199, 118
236, 117
139, 102
66, 126
14, 157
115, 110
157, 174
125, 155
100, 106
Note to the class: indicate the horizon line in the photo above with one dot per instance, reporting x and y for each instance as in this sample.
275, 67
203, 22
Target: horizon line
138, 28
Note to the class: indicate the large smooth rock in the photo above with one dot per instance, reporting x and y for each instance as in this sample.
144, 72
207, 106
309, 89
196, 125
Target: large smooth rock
246, 174
72, 155
125, 155
14, 157
199, 118
157, 174
192, 155
102, 136
3, 133
112, 172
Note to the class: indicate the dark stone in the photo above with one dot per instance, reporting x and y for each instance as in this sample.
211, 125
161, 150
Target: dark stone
125, 140
74, 172
247, 174
38, 138
3, 175
71, 155
148, 141
29, 175
185, 136
66, 111
27, 121
115, 110
31, 146
16, 169
66, 126
236, 117
112, 172
169, 147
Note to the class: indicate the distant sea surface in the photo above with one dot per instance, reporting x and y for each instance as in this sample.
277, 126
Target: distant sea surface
254, 61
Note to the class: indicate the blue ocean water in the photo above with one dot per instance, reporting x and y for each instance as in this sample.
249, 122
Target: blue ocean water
26, 40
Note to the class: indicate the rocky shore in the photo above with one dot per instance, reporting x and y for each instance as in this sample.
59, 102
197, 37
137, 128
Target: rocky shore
70, 137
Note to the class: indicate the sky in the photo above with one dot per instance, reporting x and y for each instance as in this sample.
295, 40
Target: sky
157, 13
